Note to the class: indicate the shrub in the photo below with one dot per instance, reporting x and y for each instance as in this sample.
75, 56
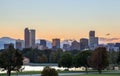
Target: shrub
47, 71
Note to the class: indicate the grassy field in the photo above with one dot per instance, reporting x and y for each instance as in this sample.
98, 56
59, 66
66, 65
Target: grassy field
23, 73
91, 73
112, 74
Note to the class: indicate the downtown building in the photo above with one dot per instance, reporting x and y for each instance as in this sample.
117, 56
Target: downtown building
29, 38
43, 45
32, 38
112, 47
43, 42
66, 47
84, 44
19, 44
93, 41
117, 45
6, 46
75, 45
55, 44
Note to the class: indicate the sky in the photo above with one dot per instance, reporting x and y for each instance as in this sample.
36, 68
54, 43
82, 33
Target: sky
64, 19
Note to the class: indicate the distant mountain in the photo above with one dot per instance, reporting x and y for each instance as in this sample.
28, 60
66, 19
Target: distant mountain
6, 40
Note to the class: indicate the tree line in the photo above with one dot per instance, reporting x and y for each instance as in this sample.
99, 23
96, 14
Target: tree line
99, 59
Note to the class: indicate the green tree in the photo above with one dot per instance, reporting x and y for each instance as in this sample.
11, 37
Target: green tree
11, 60
113, 56
81, 59
47, 52
32, 54
66, 60
118, 59
42, 58
99, 59
53, 57
74, 52
59, 53
47, 71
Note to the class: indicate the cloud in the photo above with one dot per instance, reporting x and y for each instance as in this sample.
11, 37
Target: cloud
108, 39
108, 34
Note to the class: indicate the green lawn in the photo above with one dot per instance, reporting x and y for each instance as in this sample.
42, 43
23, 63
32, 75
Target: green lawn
23, 73
112, 74
105, 73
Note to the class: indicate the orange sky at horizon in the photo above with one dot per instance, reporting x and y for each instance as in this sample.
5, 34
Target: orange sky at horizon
63, 35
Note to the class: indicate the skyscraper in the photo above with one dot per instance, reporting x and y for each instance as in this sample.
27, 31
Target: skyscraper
27, 38
96, 41
83, 44
55, 43
91, 34
32, 38
93, 41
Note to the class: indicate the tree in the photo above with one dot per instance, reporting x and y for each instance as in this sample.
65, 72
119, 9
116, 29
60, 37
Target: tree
53, 57
47, 71
99, 59
66, 60
11, 60
118, 59
47, 52
74, 52
59, 53
81, 59
42, 58
113, 56
32, 54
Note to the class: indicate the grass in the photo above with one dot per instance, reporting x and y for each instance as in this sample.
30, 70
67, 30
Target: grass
112, 74
23, 73
91, 73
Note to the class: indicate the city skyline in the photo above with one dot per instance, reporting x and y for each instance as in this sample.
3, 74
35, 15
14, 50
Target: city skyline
64, 19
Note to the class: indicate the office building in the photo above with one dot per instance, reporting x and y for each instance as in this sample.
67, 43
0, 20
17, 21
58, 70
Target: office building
43, 42
75, 45
117, 45
19, 44
32, 38
6, 46
91, 34
96, 41
93, 41
27, 38
66, 47
83, 44
112, 47
56, 44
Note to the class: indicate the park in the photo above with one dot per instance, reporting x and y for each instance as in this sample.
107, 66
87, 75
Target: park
95, 63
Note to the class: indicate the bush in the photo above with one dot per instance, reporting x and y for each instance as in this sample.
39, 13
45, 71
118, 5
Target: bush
47, 71
66, 69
